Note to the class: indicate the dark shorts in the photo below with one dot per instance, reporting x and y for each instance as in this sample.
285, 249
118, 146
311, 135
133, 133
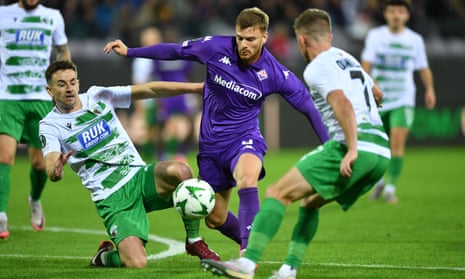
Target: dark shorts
216, 166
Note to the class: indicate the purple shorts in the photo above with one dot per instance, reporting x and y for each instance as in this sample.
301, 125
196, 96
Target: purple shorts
172, 105
216, 166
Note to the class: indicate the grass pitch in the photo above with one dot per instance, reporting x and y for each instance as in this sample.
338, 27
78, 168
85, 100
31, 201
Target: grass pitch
421, 237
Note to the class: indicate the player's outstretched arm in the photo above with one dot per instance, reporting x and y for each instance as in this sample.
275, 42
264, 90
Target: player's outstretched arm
54, 162
160, 89
117, 46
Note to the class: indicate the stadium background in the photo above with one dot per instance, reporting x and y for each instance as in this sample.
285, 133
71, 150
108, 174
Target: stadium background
91, 23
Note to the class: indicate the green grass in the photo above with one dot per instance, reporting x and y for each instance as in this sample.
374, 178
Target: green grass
421, 237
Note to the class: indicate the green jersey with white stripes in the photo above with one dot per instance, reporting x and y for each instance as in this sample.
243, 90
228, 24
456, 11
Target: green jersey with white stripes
103, 156
335, 69
26, 41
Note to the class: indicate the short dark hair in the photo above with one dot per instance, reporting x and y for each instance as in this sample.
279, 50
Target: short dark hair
253, 16
313, 23
405, 3
58, 66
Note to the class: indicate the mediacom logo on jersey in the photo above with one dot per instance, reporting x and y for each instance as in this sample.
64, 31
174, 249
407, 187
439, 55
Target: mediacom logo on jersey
249, 92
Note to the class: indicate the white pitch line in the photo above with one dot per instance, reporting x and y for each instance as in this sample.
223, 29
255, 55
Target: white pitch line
44, 256
384, 266
174, 247
378, 266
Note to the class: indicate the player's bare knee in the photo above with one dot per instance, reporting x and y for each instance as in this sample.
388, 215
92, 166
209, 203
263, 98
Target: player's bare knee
7, 159
38, 165
173, 172
272, 192
136, 262
277, 193
246, 181
184, 171
213, 221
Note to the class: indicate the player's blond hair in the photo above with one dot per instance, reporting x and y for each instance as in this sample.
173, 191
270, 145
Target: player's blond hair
253, 17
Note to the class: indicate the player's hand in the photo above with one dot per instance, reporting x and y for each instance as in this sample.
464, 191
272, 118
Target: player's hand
117, 46
378, 94
347, 161
430, 99
61, 161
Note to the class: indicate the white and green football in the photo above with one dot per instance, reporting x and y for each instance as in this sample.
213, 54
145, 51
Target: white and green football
194, 198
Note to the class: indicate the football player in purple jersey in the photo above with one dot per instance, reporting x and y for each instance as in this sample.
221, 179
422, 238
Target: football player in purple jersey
240, 74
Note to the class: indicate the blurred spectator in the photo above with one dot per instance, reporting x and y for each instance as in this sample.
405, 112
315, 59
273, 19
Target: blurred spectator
79, 18
107, 14
99, 19
448, 15
280, 41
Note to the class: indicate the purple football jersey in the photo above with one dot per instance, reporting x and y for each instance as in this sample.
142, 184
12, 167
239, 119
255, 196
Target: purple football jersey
234, 92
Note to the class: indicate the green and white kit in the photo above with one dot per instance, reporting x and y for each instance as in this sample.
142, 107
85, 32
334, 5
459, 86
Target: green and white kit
26, 41
104, 157
394, 58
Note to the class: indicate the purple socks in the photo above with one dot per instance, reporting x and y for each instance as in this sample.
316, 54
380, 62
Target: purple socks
238, 228
230, 228
249, 204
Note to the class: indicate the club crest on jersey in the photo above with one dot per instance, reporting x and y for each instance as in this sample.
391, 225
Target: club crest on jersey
94, 134
96, 108
262, 74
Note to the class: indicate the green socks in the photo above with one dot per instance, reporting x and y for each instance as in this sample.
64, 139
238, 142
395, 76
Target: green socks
267, 223
265, 226
112, 259
192, 227
394, 170
5, 171
304, 231
38, 179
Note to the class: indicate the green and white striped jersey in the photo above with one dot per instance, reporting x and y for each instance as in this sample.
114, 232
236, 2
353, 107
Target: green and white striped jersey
394, 58
26, 40
103, 156
335, 69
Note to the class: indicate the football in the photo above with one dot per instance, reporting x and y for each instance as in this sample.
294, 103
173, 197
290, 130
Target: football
194, 198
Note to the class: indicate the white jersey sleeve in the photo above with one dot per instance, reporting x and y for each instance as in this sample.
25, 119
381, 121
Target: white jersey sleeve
48, 138
142, 70
368, 52
421, 60
117, 96
59, 36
